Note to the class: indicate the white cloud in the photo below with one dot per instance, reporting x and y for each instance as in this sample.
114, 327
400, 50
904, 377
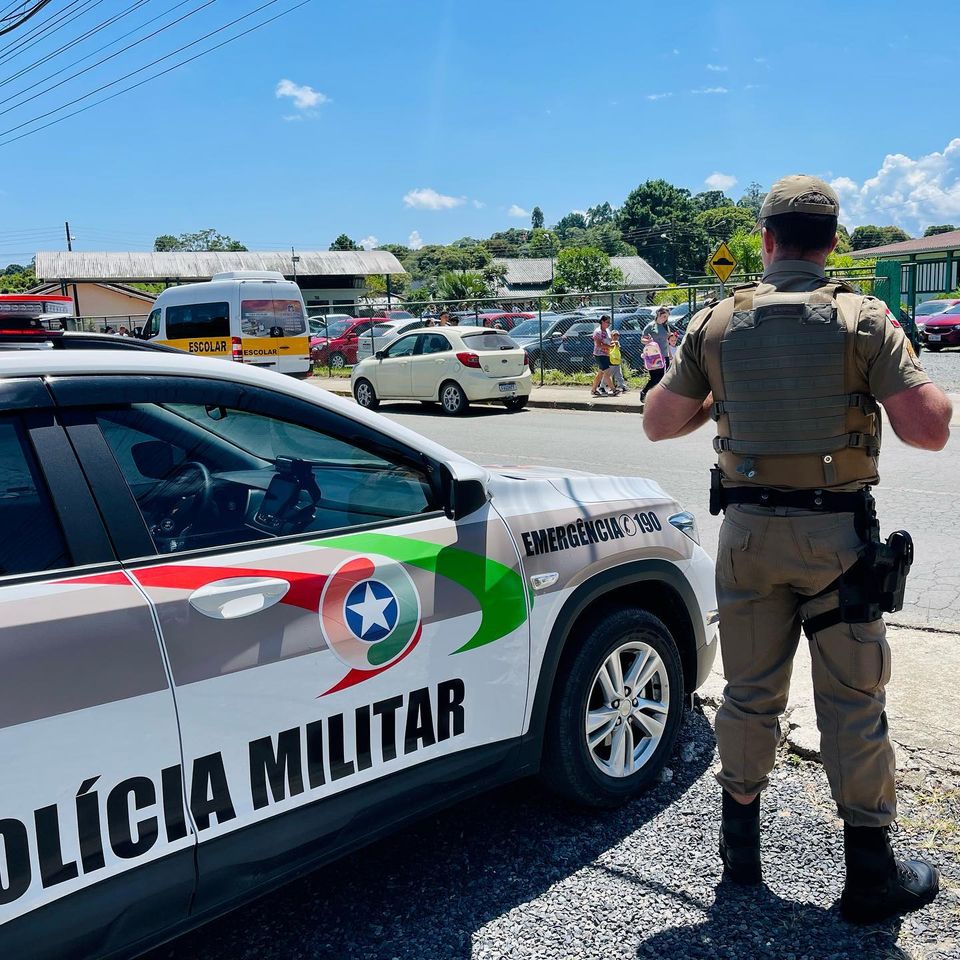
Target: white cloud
292, 117
907, 192
414, 241
369, 243
478, 204
304, 97
716, 67
426, 198
759, 59
658, 96
676, 52
711, 90
720, 181
517, 211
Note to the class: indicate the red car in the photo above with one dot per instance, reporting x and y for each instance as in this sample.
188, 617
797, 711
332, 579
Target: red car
941, 329
338, 348
503, 321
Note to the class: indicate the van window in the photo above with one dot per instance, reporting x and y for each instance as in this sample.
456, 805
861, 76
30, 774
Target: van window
272, 318
198, 320
152, 327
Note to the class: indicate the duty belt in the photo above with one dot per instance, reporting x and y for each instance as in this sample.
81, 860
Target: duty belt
828, 501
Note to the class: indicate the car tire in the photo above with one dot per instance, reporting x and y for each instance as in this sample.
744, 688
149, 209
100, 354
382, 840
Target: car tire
452, 399
337, 361
365, 395
586, 771
514, 404
935, 349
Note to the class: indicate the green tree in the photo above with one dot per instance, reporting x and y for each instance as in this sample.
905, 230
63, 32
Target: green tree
843, 239
745, 247
671, 295
454, 285
608, 238
343, 242
572, 221
710, 200
934, 231
201, 240
752, 199
579, 269
722, 222
536, 219
542, 243
19, 281
600, 214
870, 235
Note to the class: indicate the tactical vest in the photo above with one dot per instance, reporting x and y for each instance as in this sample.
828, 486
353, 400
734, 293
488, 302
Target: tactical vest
792, 410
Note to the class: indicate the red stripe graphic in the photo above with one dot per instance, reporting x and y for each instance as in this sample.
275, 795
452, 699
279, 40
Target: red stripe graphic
116, 579
305, 588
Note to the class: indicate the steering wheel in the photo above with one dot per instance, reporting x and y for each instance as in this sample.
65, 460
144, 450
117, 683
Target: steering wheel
181, 499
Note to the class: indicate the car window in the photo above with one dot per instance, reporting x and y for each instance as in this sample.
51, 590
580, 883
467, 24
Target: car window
198, 320
433, 343
402, 347
934, 306
272, 318
152, 327
209, 476
32, 539
489, 340
381, 330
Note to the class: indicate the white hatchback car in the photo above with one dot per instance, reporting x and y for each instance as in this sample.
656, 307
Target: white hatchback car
453, 365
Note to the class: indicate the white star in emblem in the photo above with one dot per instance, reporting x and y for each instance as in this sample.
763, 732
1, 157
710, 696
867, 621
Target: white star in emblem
371, 611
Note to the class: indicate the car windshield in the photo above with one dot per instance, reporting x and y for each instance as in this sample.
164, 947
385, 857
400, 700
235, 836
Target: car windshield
578, 329
380, 330
400, 315
334, 328
531, 328
482, 340
932, 307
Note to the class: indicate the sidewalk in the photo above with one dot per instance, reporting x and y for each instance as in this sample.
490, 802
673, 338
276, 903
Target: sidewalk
556, 398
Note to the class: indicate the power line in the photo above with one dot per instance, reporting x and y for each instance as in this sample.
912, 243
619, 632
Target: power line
99, 63
19, 19
38, 29
155, 76
86, 36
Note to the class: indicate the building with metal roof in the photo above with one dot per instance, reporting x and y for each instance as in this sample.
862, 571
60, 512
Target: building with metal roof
929, 265
328, 278
535, 274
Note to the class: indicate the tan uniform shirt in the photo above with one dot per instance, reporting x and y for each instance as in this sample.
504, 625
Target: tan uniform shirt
885, 355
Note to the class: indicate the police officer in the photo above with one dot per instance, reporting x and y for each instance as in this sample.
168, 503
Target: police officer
791, 369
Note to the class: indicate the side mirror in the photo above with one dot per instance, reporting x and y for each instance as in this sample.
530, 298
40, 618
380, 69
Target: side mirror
461, 497
153, 458
380, 354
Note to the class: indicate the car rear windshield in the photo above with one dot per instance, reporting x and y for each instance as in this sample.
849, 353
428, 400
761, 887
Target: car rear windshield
272, 318
381, 330
198, 320
489, 341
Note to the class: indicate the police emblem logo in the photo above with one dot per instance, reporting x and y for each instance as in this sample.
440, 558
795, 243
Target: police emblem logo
370, 613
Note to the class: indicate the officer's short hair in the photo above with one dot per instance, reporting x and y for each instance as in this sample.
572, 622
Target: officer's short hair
803, 232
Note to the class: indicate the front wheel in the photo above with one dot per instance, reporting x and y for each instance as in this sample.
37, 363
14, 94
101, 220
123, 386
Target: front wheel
338, 361
453, 399
615, 711
365, 395
513, 404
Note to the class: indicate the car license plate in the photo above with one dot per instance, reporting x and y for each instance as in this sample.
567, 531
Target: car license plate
933, 336
508, 387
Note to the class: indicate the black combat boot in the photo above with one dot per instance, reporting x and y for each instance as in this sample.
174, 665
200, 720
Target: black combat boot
740, 840
878, 885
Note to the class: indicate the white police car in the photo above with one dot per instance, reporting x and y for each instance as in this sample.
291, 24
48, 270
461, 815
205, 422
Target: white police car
246, 626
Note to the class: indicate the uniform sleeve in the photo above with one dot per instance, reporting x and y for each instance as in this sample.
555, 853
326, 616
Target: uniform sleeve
885, 355
686, 375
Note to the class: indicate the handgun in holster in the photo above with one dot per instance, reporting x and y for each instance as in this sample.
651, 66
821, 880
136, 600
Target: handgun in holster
874, 585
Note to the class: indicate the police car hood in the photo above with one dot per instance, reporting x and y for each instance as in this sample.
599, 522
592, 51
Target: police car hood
576, 485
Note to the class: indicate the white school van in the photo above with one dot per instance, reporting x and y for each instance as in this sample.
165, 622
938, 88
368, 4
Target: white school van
251, 316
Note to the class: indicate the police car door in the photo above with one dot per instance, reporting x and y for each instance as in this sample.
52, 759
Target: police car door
336, 641
95, 847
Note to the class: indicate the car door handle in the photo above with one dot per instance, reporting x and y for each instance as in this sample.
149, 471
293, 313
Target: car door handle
238, 596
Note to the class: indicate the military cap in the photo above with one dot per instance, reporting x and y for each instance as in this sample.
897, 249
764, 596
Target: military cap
785, 197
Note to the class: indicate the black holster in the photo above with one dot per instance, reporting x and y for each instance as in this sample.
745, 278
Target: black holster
874, 585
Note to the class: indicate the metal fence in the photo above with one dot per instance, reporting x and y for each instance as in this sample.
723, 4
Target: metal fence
108, 324
554, 330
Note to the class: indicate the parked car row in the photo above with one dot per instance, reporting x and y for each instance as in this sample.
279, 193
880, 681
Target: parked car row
938, 323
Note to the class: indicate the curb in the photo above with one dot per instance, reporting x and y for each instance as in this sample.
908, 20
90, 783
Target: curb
603, 403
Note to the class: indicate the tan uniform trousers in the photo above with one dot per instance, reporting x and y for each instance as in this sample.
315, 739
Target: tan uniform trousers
770, 562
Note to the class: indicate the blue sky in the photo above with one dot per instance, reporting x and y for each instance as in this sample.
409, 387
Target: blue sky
435, 120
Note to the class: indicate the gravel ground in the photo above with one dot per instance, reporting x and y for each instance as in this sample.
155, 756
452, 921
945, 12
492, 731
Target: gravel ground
943, 369
516, 873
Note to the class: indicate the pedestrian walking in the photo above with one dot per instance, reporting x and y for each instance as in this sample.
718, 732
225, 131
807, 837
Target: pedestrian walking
616, 361
792, 369
601, 356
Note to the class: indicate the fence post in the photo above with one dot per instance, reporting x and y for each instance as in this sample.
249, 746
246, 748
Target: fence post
540, 339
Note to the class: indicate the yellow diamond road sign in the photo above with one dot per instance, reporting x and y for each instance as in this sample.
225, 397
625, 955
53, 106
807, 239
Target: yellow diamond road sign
723, 262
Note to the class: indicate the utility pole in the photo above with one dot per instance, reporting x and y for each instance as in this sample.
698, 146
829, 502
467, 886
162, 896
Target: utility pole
76, 295
295, 259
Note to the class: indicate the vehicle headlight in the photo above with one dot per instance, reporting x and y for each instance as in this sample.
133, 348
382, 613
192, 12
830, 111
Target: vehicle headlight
686, 523
956, 326
921, 326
